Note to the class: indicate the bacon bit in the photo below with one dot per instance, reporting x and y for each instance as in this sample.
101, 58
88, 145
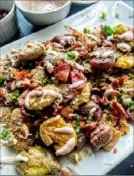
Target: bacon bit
115, 150
119, 111
20, 74
76, 44
115, 84
77, 34
62, 72
66, 112
64, 173
2, 94
77, 76
122, 80
83, 54
59, 62
58, 110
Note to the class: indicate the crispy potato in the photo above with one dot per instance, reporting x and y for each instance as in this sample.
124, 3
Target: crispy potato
116, 137
5, 115
37, 103
40, 162
123, 126
125, 62
83, 97
49, 136
19, 131
38, 75
121, 28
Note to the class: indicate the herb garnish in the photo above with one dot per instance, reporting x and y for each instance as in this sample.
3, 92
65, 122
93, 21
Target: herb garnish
70, 55
109, 30
103, 16
86, 30
131, 75
131, 105
117, 14
4, 134
2, 80
77, 128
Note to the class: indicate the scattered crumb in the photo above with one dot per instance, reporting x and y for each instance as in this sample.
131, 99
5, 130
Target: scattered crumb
115, 150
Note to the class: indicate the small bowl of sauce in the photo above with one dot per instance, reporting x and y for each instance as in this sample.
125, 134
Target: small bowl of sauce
44, 12
3, 13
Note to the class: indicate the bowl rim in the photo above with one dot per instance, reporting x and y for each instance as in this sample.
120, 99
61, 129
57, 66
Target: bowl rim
3, 20
42, 13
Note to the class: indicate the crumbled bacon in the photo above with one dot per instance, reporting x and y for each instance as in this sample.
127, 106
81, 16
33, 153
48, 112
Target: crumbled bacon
76, 76
122, 80
107, 43
119, 111
66, 112
62, 72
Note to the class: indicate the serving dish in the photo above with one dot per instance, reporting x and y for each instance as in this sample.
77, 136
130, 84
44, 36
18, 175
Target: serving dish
8, 25
102, 160
45, 18
84, 2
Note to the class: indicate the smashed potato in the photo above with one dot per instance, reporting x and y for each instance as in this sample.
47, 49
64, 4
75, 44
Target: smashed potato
40, 162
19, 131
123, 126
121, 28
83, 97
5, 115
116, 137
38, 75
125, 62
38, 100
57, 132
32, 50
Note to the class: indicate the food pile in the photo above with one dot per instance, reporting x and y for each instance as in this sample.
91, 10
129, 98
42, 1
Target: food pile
58, 96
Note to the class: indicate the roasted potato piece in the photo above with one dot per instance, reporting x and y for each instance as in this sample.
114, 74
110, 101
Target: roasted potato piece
123, 126
33, 50
40, 162
129, 85
125, 62
83, 97
38, 75
56, 131
19, 131
38, 100
5, 115
116, 137
121, 28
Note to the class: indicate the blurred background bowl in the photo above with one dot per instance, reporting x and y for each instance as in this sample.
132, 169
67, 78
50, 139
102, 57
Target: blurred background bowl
8, 24
45, 18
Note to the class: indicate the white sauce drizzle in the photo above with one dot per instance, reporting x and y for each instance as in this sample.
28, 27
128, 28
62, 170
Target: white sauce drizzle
66, 130
12, 159
33, 93
67, 148
124, 47
76, 84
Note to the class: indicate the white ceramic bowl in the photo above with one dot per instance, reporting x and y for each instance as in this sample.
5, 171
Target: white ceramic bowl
8, 25
45, 18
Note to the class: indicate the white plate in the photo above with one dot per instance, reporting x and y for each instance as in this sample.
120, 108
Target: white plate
84, 1
102, 162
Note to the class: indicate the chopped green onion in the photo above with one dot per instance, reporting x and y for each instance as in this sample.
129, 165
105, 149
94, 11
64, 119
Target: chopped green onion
131, 75
2, 80
77, 128
15, 95
108, 118
4, 134
70, 55
131, 105
89, 121
86, 30
117, 14
109, 30
103, 16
